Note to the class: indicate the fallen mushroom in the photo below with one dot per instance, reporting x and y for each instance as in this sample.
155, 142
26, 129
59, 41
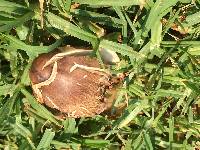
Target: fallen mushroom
71, 82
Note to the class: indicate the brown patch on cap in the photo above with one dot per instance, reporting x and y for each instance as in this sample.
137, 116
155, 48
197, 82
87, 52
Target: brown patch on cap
76, 94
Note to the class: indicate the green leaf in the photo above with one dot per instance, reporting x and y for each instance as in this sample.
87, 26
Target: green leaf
39, 108
22, 32
4, 3
17, 22
174, 80
137, 90
62, 5
23, 131
123, 49
13, 62
129, 116
95, 143
173, 93
157, 12
123, 20
192, 19
46, 140
64, 25
25, 80
7, 108
7, 89
70, 125
61, 145
97, 17
148, 142
137, 143
171, 130
32, 51
156, 39
194, 50
111, 2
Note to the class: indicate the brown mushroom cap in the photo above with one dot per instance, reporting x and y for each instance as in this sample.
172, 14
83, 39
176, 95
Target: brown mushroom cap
76, 94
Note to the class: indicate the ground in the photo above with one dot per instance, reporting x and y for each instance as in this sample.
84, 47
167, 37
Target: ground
157, 42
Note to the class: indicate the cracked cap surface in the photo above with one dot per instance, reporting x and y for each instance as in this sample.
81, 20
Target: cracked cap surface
76, 94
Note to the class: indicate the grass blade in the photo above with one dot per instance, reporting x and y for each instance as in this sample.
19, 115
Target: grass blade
111, 2
46, 140
41, 109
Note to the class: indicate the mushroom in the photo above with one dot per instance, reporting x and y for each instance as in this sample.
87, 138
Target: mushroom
71, 82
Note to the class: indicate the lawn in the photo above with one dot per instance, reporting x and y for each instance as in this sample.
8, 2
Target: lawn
158, 44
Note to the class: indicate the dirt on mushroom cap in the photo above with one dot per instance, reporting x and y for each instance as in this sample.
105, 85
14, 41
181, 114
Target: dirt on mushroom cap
76, 94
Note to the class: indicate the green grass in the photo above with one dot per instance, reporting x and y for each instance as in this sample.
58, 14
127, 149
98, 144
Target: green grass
159, 49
